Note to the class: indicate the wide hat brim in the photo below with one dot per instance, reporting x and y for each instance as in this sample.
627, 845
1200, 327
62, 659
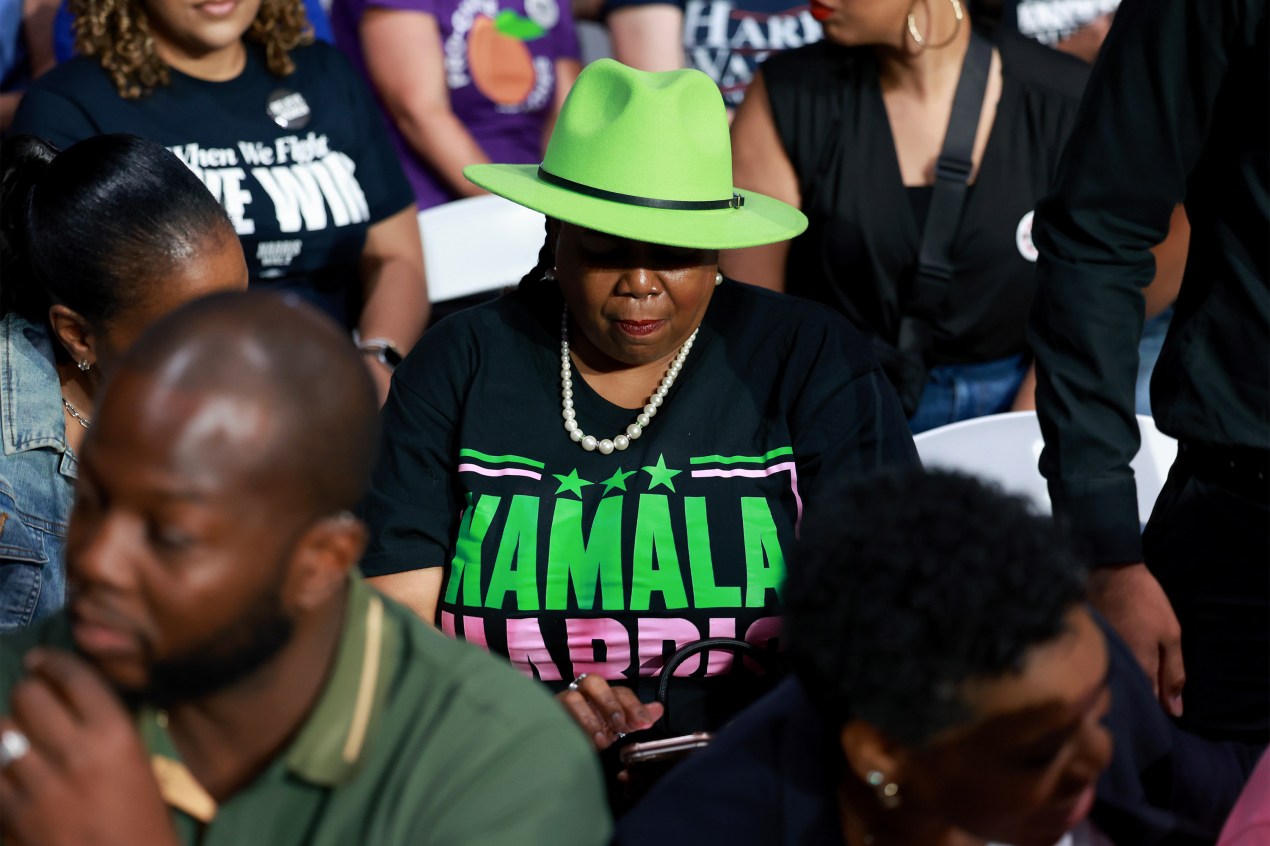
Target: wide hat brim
760, 220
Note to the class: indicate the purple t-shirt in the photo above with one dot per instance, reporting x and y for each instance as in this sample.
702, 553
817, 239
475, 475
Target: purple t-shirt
499, 66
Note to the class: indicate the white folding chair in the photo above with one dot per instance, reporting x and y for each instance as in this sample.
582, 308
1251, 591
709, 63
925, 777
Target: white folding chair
1004, 448
478, 244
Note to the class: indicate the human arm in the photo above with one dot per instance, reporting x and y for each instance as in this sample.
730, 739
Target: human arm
418, 590
1142, 127
38, 18
760, 163
404, 59
567, 70
1025, 396
394, 291
648, 36
409, 508
8, 107
1170, 262
37, 31
86, 777
1086, 42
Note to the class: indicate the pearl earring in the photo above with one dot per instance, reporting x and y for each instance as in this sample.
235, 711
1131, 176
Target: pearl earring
888, 791
85, 365
718, 278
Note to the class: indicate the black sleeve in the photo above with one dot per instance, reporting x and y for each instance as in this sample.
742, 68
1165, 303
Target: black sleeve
410, 509
1140, 131
51, 115
846, 420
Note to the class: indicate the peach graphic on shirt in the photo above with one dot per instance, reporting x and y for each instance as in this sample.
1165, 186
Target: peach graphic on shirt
501, 65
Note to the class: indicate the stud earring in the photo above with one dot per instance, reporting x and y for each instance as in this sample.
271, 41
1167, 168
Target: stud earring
549, 274
718, 278
85, 365
888, 791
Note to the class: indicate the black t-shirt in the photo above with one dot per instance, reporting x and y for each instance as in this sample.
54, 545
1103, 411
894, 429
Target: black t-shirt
302, 189
860, 249
570, 561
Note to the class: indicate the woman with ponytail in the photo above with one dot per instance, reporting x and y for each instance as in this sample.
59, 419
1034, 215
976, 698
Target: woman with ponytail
281, 130
96, 242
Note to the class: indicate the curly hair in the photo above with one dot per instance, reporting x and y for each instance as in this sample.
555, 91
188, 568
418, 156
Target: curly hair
911, 583
117, 33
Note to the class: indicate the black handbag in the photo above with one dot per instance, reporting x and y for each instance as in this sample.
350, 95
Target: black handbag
683, 739
767, 660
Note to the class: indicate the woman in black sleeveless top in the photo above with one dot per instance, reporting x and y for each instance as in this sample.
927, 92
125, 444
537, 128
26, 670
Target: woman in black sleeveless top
850, 129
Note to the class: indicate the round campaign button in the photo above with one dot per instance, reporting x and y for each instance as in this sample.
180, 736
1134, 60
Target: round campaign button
1023, 238
289, 109
545, 13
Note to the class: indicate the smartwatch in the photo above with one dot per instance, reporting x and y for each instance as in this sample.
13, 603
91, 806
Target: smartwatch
382, 349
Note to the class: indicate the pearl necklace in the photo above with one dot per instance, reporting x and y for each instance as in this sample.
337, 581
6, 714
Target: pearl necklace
633, 431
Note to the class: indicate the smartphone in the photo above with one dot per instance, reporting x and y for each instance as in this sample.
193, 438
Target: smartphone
670, 749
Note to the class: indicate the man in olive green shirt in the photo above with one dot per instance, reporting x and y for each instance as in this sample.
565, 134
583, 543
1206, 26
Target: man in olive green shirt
221, 675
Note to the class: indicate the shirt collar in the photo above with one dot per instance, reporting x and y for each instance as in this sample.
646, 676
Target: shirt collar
331, 743
31, 413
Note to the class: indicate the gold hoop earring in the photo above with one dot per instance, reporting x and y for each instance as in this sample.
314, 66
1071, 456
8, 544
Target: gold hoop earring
920, 40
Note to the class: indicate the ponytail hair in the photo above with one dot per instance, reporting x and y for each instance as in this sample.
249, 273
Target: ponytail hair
26, 159
96, 226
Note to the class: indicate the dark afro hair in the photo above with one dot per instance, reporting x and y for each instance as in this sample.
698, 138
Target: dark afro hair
909, 584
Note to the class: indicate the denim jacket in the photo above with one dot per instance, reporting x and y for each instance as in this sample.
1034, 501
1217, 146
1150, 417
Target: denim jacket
37, 476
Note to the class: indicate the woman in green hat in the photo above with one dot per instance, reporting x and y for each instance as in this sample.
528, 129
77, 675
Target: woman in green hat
613, 460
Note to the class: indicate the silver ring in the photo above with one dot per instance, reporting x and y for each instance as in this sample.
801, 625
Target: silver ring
13, 747
573, 685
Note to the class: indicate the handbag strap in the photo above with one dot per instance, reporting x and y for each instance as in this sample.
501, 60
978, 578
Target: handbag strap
952, 173
725, 644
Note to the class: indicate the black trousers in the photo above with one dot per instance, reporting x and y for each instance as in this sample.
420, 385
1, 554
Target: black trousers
1208, 543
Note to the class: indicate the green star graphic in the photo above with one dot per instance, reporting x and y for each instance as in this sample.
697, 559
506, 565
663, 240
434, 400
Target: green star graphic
617, 480
661, 475
571, 483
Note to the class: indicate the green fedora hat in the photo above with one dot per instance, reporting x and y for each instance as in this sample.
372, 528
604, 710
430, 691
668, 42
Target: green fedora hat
644, 156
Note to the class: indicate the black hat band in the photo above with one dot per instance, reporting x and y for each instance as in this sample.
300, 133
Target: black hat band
733, 202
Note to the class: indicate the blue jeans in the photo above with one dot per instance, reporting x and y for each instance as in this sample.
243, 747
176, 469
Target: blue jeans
1153, 332
960, 391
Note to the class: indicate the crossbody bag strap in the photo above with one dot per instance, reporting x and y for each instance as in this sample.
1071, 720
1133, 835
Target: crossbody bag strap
952, 174
909, 369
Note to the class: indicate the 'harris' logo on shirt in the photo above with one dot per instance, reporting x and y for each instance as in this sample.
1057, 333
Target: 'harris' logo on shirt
729, 40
